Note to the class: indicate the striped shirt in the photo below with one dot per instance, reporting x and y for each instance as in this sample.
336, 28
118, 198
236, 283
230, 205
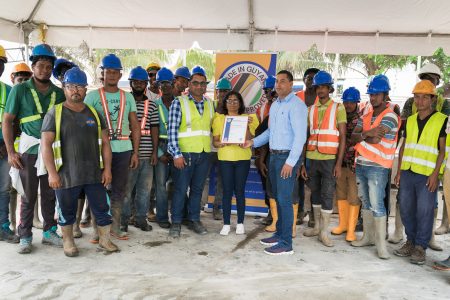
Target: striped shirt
146, 145
390, 121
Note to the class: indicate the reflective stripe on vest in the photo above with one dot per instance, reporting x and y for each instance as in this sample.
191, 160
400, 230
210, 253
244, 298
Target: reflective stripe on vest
40, 114
145, 132
2, 100
117, 133
163, 120
194, 134
324, 138
382, 153
57, 151
420, 154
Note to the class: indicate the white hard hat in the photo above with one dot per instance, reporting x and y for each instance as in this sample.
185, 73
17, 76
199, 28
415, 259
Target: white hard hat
430, 69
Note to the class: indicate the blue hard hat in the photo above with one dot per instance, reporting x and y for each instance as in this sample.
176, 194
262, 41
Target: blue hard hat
164, 75
351, 95
322, 78
111, 61
42, 50
379, 84
198, 70
183, 72
59, 63
75, 76
269, 83
138, 73
223, 84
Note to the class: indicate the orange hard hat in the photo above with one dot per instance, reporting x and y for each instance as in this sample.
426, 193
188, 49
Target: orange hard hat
425, 87
22, 67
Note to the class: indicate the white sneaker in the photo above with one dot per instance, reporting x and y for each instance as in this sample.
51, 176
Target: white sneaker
240, 229
225, 230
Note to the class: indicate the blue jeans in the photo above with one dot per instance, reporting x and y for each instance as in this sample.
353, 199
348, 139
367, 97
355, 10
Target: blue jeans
5, 186
416, 207
371, 182
163, 173
234, 177
192, 176
67, 203
140, 178
282, 189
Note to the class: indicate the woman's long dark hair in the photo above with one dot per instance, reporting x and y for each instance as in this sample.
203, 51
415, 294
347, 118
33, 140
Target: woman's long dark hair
241, 109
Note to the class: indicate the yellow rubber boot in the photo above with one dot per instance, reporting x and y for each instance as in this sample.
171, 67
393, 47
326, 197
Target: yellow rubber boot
343, 208
294, 224
353, 213
273, 210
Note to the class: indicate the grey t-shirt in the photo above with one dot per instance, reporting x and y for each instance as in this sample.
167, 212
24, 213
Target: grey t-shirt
79, 144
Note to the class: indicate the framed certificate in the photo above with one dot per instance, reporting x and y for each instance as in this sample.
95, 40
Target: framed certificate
234, 130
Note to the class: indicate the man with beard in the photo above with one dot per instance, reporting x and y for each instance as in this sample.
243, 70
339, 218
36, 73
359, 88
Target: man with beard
141, 178
77, 155
28, 102
119, 109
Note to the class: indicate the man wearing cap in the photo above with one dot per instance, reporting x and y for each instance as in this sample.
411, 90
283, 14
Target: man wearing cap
181, 81
141, 178
28, 102
189, 133
325, 151
119, 110
20, 73
375, 137
77, 155
421, 161
6, 234
153, 90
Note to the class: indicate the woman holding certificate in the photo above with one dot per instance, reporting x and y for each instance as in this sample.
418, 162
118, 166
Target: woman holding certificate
230, 130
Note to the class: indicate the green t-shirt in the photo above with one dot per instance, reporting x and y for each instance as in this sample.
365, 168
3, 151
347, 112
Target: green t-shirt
21, 104
340, 118
3, 102
113, 99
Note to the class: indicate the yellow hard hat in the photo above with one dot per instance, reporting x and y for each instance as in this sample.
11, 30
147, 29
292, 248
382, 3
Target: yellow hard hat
3, 54
425, 87
153, 66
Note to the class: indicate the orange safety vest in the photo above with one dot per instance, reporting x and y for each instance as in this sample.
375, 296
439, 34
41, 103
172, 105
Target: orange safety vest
382, 153
114, 134
324, 138
145, 132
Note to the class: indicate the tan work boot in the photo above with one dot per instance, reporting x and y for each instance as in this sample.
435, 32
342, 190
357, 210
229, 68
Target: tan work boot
323, 234
368, 238
95, 238
418, 256
380, 237
397, 237
316, 229
444, 228
70, 249
433, 244
353, 213
273, 210
116, 212
343, 207
76, 226
105, 241
406, 250
294, 223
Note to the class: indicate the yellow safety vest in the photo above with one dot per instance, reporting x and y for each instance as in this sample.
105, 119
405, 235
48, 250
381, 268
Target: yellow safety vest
2, 100
194, 134
40, 114
57, 152
163, 120
420, 155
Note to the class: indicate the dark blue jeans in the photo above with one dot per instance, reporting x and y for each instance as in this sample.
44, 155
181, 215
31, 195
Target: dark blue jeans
417, 207
234, 177
282, 189
67, 203
192, 176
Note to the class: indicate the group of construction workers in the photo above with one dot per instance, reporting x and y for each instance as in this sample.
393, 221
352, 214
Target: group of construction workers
130, 154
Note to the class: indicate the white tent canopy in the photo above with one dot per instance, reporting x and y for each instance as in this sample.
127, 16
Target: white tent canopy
416, 27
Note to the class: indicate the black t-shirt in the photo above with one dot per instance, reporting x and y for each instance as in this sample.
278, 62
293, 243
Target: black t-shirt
421, 125
79, 145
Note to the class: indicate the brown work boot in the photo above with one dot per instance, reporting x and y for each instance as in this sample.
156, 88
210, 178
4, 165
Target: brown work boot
405, 250
418, 255
151, 216
105, 241
323, 234
70, 249
316, 229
